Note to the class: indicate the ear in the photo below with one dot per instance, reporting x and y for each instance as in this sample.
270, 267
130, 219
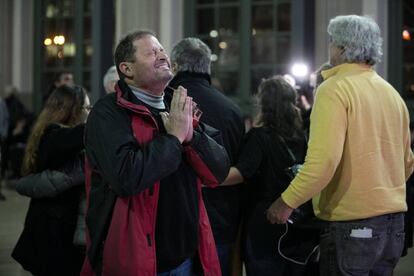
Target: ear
126, 69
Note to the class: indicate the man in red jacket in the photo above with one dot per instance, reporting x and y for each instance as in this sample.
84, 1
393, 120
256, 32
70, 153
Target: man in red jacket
145, 166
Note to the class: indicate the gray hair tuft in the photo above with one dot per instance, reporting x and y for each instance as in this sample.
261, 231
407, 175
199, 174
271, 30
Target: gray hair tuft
192, 55
360, 37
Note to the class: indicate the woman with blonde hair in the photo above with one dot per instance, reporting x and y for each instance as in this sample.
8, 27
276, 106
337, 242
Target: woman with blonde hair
46, 246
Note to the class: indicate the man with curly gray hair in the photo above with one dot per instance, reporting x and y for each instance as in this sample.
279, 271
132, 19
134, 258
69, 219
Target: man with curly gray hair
358, 158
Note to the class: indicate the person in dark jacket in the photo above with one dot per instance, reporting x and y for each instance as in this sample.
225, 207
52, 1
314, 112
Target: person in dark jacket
46, 246
20, 124
4, 130
146, 163
191, 63
274, 144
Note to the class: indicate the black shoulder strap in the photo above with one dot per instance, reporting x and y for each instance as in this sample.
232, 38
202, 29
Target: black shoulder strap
285, 145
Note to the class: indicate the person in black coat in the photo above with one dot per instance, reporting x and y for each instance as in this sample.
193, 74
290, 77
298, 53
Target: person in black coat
275, 144
191, 63
46, 246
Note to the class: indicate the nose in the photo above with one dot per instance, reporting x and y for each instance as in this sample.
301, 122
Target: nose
162, 55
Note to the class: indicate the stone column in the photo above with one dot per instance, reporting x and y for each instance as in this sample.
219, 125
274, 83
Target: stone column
137, 14
171, 22
5, 43
164, 17
22, 46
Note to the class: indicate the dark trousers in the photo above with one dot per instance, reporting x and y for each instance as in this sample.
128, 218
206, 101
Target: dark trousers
370, 246
270, 264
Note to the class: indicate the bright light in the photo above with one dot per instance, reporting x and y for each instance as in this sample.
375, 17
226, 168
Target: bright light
213, 33
214, 57
47, 42
406, 35
290, 79
300, 70
253, 31
59, 40
223, 45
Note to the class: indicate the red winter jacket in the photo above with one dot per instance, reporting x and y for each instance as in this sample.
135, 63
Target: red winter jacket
123, 152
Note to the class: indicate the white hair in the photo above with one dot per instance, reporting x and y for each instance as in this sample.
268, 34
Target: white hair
110, 75
359, 36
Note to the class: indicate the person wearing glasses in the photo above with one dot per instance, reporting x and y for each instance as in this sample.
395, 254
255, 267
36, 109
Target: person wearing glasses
46, 245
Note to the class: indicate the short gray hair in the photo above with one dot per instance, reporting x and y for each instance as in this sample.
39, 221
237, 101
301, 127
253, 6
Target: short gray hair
193, 55
359, 36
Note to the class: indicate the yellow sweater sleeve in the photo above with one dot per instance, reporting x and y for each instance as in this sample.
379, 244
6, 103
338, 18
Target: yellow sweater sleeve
327, 135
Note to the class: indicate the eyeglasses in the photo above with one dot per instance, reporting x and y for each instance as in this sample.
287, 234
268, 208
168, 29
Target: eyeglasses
88, 107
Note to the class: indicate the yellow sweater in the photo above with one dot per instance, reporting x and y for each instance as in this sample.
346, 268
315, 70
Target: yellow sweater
359, 154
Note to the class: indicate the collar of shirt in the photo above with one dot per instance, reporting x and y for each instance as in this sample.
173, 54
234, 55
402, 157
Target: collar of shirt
343, 68
149, 99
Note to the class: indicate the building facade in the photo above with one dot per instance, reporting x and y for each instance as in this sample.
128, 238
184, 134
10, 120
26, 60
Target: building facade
250, 39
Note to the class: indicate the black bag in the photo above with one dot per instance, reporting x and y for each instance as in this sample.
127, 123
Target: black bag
303, 216
300, 243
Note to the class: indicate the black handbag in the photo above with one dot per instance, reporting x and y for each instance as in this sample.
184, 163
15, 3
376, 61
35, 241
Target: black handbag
303, 216
300, 242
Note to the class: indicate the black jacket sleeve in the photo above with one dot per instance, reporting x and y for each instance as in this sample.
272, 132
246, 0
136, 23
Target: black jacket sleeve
47, 183
114, 152
50, 183
207, 157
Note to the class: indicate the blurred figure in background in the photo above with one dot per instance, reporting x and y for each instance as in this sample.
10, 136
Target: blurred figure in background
110, 79
46, 246
315, 80
4, 130
191, 62
20, 123
60, 78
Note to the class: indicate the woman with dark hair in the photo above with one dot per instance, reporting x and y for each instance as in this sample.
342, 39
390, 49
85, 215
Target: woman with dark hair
266, 154
46, 246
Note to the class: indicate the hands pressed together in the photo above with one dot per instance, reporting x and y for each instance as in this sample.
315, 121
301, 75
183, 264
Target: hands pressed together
179, 121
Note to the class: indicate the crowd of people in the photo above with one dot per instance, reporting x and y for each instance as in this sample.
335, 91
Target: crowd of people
161, 176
